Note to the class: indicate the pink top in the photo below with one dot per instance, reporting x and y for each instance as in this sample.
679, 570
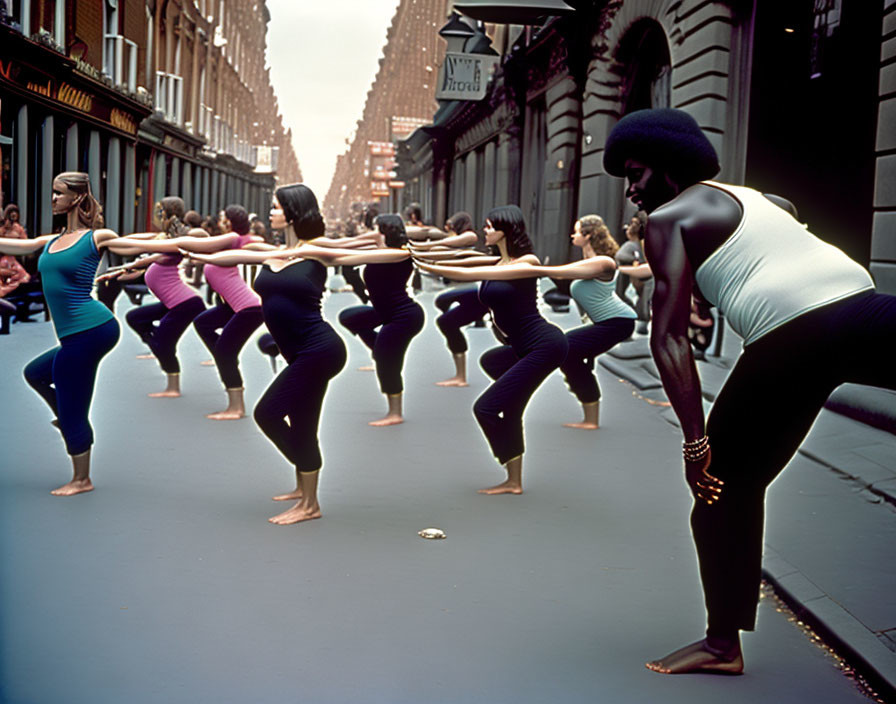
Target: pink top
227, 282
163, 279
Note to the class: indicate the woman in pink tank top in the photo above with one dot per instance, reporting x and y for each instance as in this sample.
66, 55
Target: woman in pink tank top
226, 327
178, 304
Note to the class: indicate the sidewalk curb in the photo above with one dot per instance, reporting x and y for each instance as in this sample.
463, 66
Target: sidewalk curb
837, 627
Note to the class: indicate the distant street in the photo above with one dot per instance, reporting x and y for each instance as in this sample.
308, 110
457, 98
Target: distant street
167, 584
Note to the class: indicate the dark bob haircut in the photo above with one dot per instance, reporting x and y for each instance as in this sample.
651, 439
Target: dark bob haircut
239, 218
509, 220
662, 137
370, 213
301, 210
392, 228
460, 222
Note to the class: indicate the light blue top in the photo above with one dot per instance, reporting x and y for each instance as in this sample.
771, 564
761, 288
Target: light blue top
599, 300
67, 277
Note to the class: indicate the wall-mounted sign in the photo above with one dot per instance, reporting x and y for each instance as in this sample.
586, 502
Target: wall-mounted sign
37, 82
465, 76
396, 184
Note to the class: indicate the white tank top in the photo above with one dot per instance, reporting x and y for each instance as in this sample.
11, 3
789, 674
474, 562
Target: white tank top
772, 269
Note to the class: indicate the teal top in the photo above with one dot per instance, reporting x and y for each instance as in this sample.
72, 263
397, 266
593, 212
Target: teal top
599, 300
67, 277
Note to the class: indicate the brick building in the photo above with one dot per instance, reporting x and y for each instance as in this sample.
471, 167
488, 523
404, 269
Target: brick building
150, 97
400, 100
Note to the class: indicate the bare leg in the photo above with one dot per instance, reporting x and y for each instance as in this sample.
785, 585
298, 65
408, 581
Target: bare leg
592, 415
393, 417
292, 495
80, 482
722, 656
460, 372
514, 482
171, 391
307, 508
236, 407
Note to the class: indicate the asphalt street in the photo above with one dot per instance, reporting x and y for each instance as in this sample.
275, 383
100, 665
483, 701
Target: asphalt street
167, 584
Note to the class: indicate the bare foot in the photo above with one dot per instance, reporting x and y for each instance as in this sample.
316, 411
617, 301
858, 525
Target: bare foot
507, 487
582, 426
146, 356
453, 381
697, 657
387, 420
226, 415
367, 368
291, 496
296, 514
164, 394
208, 363
75, 486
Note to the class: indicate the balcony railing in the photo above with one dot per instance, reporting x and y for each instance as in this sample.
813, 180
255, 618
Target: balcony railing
170, 96
120, 61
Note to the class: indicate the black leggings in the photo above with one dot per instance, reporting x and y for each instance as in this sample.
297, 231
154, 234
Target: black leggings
163, 338
65, 377
499, 410
761, 416
468, 310
353, 279
585, 344
297, 394
236, 329
390, 344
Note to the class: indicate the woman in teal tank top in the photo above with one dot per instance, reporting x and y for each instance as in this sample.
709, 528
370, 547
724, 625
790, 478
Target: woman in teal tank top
65, 376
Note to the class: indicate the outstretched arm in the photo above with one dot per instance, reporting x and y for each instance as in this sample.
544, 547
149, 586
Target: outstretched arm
467, 239
127, 245
235, 257
599, 267
640, 271
454, 257
15, 246
503, 272
425, 232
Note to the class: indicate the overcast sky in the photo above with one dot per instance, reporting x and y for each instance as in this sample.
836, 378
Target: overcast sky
323, 56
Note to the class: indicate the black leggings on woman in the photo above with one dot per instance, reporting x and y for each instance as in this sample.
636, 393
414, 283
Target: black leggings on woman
162, 339
236, 329
761, 416
297, 394
500, 408
468, 310
389, 344
65, 377
585, 344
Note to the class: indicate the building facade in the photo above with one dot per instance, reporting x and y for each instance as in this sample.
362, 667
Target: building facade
399, 101
798, 98
150, 97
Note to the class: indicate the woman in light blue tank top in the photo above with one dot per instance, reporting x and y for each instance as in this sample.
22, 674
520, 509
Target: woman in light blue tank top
65, 376
612, 321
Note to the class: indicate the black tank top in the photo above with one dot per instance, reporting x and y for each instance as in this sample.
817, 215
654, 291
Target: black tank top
291, 301
387, 285
514, 308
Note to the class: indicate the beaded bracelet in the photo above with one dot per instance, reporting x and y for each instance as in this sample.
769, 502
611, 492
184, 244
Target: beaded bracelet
695, 450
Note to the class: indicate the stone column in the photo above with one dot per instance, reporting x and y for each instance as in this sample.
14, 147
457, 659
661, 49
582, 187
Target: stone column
112, 204
129, 189
71, 148
22, 165
45, 187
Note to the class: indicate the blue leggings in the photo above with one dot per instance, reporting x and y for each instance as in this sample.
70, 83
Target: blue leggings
469, 309
499, 410
585, 344
65, 376
162, 339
